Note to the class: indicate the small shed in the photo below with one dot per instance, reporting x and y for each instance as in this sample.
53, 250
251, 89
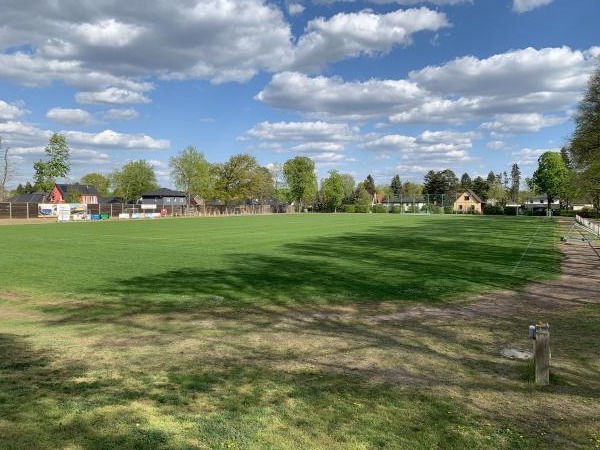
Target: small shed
468, 202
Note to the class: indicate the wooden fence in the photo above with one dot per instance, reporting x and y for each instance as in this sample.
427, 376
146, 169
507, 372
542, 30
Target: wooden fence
11, 210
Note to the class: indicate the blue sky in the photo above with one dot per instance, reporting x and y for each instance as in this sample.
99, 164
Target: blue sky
378, 87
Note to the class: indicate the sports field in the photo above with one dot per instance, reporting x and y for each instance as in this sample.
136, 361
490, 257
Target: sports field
266, 260
293, 331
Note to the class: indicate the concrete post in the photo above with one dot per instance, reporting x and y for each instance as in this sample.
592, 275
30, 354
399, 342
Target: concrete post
542, 354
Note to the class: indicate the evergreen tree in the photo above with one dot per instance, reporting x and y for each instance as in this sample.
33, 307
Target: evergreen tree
515, 182
396, 186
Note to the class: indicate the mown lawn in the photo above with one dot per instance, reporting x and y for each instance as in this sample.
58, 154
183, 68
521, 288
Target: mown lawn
277, 332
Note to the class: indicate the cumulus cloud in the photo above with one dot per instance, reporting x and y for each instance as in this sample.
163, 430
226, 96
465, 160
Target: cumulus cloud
517, 72
10, 111
398, 2
219, 40
528, 156
426, 151
121, 114
110, 138
295, 9
70, 116
352, 34
521, 6
522, 123
112, 96
520, 82
326, 97
301, 131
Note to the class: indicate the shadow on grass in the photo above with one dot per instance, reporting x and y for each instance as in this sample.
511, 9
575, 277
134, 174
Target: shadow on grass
277, 394
417, 264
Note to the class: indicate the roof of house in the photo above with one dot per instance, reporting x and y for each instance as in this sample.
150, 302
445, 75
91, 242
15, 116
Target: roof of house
82, 189
36, 197
473, 195
164, 192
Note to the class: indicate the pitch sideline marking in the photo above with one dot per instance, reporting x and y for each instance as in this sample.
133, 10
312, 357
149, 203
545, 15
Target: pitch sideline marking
526, 249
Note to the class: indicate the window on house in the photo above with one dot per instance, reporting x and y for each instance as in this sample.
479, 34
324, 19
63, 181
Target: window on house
466, 197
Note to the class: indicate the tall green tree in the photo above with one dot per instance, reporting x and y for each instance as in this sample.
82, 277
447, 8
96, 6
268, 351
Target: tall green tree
135, 178
465, 181
7, 170
191, 173
348, 183
301, 179
332, 189
443, 183
590, 183
99, 181
57, 164
396, 186
240, 178
412, 190
550, 176
480, 187
585, 142
369, 185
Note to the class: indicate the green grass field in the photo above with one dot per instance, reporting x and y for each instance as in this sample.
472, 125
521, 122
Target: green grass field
262, 332
301, 259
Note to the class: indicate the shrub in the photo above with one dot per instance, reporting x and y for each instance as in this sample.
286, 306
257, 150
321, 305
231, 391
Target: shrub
350, 208
379, 209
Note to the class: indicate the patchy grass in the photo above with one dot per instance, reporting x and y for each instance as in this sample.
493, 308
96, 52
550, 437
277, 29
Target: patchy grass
135, 366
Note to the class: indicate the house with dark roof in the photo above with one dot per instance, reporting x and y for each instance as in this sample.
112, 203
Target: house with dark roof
74, 193
468, 202
35, 197
164, 197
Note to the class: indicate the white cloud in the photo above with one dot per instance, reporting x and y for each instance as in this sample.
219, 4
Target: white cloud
107, 33
439, 148
318, 147
523, 81
324, 97
528, 156
529, 70
121, 114
112, 96
398, 2
11, 111
295, 9
348, 35
70, 116
522, 123
110, 138
220, 40
521, 6
302, 131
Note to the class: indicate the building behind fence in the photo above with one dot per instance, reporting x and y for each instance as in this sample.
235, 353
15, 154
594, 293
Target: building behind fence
12, 210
